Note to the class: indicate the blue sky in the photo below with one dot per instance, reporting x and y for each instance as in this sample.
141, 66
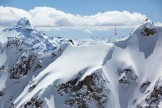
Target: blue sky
151, 8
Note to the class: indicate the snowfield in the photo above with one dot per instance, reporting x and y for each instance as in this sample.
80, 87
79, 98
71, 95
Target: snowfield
40, 71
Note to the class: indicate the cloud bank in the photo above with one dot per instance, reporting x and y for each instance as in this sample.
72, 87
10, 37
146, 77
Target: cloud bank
46, 16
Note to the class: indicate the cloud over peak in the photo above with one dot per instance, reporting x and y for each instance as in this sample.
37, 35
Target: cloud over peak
46, 16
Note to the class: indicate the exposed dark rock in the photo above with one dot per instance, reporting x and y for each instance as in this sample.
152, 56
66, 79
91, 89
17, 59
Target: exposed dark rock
144, 86
31, 88
2, 93
134, 101
53, 54
65, 87
34, 103
92, 88
123, 80
38, 66
148, 31
14, 42
147, 83
22, 68
2, 50
126, 70
2, 68
71, 41
127, 77
153, 97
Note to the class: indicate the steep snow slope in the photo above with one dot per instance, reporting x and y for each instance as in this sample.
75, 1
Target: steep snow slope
19, 64
66, 67
123, 74
136, 60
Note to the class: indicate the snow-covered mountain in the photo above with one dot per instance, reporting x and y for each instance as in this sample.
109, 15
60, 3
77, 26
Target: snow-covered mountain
31, 37
123, 74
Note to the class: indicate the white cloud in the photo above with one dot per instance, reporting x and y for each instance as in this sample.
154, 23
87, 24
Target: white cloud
9, 15
45, 16
158, 24
87, 31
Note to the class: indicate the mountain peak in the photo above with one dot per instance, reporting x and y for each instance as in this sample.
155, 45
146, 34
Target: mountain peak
148, 24
23, 22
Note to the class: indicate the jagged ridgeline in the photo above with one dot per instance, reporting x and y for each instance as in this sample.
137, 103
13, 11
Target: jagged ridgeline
38, 71
30, 37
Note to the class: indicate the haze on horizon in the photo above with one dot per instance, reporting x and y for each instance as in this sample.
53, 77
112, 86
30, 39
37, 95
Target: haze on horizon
77, 19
